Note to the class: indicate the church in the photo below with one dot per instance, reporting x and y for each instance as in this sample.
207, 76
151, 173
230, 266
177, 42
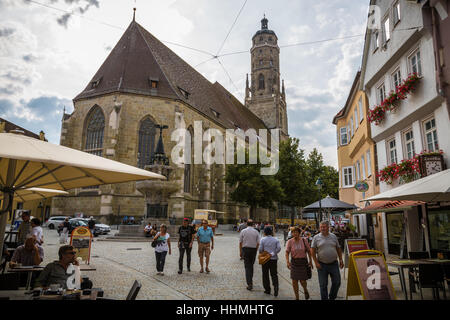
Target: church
138, 96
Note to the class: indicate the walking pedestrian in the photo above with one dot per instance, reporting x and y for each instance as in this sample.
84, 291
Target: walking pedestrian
205, 238
325, 251
65, 231
299, 265
24, 229
162, 247
248, 247
271, 245
185, 240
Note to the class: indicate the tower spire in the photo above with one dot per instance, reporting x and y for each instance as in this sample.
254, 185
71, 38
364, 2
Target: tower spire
134, 14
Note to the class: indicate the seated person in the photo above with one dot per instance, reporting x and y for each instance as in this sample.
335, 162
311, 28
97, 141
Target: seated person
148, 229
28, 254
56, 271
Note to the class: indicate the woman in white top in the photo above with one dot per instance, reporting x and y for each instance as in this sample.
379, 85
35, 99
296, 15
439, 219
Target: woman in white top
37, 231
162, 239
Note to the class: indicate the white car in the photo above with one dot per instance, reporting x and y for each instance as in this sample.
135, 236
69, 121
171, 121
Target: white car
54, 222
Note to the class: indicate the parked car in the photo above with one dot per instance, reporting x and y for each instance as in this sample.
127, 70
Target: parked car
100, 228
75, 223
54, 222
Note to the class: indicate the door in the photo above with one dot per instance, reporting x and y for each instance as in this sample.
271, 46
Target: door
395, 230
370, 231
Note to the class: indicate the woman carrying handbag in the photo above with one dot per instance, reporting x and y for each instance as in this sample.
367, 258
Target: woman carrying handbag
161, 243
299, 265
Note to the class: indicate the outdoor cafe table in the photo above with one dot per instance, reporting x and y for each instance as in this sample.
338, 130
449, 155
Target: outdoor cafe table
401, 264
31, 269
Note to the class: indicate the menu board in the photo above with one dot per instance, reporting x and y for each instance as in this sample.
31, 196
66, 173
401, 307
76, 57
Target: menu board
81, 240
368, 276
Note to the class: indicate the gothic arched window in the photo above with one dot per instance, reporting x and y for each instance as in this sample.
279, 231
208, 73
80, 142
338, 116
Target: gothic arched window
261, 85
188, 165
94, 132
147, 133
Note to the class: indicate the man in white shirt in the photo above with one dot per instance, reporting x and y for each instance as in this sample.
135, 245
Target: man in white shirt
36, 231
248, 247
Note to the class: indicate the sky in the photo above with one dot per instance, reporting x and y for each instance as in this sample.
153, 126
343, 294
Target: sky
48, 56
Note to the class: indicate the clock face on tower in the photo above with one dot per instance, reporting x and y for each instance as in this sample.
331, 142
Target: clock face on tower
433, 166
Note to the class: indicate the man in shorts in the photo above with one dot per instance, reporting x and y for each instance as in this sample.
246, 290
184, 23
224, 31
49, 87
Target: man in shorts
205, 238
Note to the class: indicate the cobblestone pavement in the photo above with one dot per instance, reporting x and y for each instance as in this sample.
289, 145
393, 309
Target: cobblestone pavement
118, 264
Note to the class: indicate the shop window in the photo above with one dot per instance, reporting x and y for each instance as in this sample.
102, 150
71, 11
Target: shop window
439, 227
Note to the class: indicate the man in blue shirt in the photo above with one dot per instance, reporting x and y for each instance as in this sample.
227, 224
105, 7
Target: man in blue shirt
271, 245
205, 238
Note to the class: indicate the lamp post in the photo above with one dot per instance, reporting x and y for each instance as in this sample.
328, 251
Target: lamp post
319, 185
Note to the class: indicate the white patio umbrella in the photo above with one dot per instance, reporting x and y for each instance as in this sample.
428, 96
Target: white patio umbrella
27, 162
429, 189
23, 195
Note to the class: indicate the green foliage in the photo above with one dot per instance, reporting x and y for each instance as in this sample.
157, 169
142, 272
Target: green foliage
294, 185
252, 188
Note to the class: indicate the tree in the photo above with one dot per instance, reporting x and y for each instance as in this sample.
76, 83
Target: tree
252, 188
292, 175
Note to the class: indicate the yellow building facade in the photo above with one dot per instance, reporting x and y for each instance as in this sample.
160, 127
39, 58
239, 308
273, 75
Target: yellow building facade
357, 160
356, 149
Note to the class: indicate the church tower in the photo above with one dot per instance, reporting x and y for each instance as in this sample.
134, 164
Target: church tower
265, 96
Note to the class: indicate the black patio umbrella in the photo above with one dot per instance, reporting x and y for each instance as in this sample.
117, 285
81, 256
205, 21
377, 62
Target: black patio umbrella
329, 205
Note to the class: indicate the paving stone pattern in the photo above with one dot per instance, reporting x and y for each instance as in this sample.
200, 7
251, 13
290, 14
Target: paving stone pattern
118, 264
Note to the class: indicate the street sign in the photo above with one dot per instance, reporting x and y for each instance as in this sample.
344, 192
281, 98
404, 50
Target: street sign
362, 186
368, 276
353, 245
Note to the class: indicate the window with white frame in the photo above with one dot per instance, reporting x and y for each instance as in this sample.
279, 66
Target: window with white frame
361, 112
415, 63
358, 171
356, 118
396, 78
392, 151
363, 168
386, 30
409, 144
369, 163
352, 128
381, 93
344, 136
347, 177
431, 140
396, 13
376, 40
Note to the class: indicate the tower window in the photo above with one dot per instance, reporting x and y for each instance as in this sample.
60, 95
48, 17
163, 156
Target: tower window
271, 62
261, 39
260, 62
270, 39
261, 85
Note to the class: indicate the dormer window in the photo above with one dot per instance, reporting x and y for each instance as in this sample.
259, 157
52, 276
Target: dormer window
270, 39
216, 114
184, 93
95, 83
153, 82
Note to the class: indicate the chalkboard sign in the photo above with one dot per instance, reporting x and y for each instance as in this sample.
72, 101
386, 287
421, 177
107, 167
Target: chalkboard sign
368, 276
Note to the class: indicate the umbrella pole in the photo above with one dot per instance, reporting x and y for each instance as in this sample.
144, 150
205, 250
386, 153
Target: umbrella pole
8, 197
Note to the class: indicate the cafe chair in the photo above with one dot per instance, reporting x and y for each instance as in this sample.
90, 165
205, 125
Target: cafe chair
414, 272
431, 276
134, 290
132, 294
9, 281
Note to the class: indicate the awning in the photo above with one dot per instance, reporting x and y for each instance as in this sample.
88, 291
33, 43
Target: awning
387, 206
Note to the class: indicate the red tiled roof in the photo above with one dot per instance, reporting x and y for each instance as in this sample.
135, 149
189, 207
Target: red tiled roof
380, 206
